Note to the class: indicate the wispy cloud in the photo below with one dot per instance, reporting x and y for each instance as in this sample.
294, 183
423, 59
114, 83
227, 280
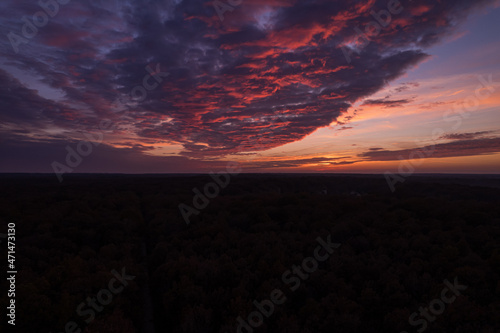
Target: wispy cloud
471, 147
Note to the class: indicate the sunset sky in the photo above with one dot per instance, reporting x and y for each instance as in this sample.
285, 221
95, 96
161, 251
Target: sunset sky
276, 85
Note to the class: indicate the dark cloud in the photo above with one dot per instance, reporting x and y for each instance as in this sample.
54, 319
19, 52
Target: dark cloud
38, 156
22, 106
406, 86
465, 136
387, 103
472, 147
432, 105
226, 79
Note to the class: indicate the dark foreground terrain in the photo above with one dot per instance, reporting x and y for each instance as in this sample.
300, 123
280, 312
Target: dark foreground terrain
282, 253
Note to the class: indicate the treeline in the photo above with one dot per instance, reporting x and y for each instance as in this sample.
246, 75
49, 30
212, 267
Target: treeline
396, 251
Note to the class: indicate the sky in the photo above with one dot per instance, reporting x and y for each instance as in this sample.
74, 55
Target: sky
187, 86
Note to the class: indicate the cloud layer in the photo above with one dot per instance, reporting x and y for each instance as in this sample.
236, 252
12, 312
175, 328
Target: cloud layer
270, 73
